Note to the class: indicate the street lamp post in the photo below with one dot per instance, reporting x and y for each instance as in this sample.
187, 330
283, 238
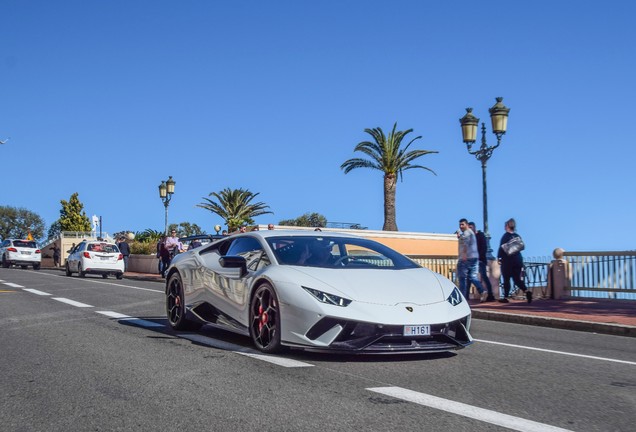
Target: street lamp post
166, 189
469, 123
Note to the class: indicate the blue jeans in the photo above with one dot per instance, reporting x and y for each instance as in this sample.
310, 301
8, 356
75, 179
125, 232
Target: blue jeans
468, 273
484, 277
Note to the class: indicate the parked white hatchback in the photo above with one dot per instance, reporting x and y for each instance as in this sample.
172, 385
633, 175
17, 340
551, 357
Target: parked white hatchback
20, 252
95, 257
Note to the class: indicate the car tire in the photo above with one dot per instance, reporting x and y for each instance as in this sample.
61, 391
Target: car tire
36, 266
104, 276
68, 270
120, 275
23, 267
175, 305
265, 319
5, 262
80, 273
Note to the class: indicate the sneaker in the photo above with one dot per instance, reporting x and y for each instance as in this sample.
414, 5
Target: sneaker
490, 298
529, 296
503, 300
482, 296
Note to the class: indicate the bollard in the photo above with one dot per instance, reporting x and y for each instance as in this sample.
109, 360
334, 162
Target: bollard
559, 276
494, 273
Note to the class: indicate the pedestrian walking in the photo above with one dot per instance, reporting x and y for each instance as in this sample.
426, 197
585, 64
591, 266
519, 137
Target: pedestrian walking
468, 262
56, 254
173, 244
511, 260
164, 257
482, 248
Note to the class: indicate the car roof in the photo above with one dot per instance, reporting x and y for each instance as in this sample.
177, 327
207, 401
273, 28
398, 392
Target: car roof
295, 233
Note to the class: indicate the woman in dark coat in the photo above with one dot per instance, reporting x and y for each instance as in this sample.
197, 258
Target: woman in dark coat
164, 256
511, 265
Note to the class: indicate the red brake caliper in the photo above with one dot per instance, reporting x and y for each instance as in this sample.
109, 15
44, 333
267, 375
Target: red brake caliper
263, 320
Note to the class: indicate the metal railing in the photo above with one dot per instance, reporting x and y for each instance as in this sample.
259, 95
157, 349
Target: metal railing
608, 275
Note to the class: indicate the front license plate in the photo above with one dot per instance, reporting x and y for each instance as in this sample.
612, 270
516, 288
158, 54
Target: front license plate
417, 330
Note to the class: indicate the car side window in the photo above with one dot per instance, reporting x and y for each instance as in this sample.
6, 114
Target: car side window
251, 250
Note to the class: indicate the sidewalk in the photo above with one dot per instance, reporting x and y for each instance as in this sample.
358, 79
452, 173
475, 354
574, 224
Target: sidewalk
616, 317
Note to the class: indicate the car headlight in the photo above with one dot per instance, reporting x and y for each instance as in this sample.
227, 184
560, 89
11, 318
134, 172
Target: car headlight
455, 297
324, 297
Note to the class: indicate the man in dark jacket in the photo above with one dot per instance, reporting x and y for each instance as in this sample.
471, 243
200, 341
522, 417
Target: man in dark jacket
125, 251
482, 247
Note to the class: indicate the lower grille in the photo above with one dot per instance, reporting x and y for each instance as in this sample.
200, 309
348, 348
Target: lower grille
365, 337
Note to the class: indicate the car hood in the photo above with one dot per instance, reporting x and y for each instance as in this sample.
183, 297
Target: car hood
389, 287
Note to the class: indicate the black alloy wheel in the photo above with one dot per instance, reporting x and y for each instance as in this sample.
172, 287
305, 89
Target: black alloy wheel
68, 270
5, 262
265, 319
36, 266
80, 273
175, 305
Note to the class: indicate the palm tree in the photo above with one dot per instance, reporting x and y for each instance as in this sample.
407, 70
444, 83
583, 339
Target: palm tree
387, 156
235, 207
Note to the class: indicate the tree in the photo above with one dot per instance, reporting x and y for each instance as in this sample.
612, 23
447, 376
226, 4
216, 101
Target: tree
72, 216
307, 220
19, 222
235, 207
54, 231
387, 156
186, 229
149, 235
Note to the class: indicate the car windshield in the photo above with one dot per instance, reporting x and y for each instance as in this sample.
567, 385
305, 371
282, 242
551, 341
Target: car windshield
24, 244
336, 252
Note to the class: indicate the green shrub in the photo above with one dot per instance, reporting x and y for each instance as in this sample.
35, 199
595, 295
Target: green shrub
143, 248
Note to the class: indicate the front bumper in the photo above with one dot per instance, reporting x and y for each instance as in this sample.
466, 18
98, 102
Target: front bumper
359, 337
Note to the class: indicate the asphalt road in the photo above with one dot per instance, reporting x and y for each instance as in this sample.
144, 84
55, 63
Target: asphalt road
96, 355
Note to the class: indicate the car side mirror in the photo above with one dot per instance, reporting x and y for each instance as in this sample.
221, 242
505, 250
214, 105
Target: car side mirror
234, 261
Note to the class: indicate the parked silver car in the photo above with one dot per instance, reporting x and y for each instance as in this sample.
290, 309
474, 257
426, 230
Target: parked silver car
20, 252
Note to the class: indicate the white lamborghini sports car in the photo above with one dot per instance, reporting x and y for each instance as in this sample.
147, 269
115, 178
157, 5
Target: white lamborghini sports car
316, 291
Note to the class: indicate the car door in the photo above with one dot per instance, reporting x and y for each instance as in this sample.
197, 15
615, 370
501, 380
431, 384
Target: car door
227, 288
74, 256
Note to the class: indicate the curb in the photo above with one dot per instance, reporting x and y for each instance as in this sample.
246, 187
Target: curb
567, 324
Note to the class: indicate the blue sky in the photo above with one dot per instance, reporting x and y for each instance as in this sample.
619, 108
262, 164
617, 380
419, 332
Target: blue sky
108, 98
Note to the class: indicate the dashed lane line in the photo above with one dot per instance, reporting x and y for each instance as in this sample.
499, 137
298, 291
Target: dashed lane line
465, 410
211, 342
12, 285
227, 346
72, 302
161, 291
38, 292
132, 320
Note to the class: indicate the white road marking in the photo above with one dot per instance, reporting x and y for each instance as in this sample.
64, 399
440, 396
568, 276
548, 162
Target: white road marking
462, 409
280, 361
558, 352
12, 285
38, 292
227, 346
101, 282
72, 302
132, 320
